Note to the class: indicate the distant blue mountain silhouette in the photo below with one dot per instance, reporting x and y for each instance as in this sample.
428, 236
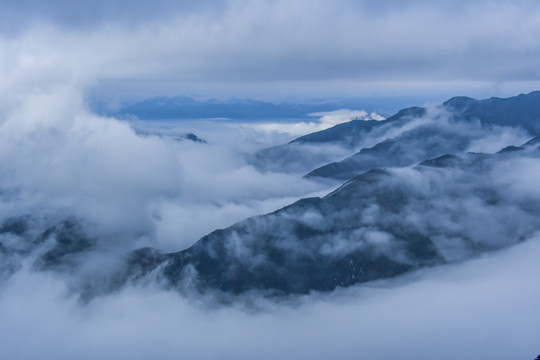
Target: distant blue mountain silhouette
185, 107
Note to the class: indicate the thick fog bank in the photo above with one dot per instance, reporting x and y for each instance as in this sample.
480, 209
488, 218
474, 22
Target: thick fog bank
62, 162
486, 308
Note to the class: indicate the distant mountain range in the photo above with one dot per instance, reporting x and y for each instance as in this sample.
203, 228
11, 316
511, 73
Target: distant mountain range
406, 138
315, 149
415, 198
185, 107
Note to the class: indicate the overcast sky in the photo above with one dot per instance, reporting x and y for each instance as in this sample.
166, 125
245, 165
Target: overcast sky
276, 48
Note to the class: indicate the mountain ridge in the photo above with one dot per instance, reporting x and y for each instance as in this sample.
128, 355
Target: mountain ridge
521, 111
330, 242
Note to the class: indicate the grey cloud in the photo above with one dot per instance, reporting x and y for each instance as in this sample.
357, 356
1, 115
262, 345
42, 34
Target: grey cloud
84, 15
244, 42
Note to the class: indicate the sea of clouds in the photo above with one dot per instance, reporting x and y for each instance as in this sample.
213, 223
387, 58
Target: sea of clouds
58, 160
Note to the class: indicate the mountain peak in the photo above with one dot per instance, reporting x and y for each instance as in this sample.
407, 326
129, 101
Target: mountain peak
459, 102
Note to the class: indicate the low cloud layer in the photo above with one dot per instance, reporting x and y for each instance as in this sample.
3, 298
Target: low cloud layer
380, 224
135, 191
325, 120
59, 160
61, 163
129, 191
486, 308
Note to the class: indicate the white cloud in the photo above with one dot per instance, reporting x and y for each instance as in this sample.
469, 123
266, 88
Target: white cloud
59, 160
325, 120
486, 308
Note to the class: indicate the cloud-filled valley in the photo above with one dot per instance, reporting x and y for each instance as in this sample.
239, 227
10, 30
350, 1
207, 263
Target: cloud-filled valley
102, 218
99, 231
231, 179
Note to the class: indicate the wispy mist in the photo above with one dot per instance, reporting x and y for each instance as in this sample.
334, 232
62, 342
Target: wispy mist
80, 193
